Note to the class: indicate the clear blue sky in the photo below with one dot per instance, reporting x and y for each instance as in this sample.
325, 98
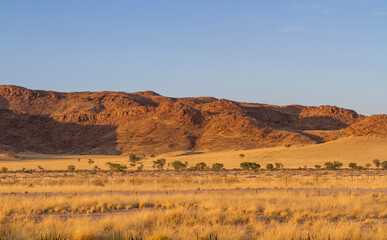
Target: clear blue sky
279, 52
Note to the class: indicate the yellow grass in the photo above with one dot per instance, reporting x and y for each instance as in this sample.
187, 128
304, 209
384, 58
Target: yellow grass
361, 150
97, 214
47, 182
191, 216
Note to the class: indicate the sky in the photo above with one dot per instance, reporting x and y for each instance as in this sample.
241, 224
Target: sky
331, 52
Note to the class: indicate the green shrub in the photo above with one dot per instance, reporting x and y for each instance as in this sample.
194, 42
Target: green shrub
90, 161
279, 165
71, 167
241, 155
95, 168
201, 166
333, 165
178, 165
250, 166
384, 165
4, 169
317, 166
116, 167
159, 163
352, 165
217, 166
269, 166
133, 158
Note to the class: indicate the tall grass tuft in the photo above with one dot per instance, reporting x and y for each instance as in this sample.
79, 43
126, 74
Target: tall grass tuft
52, 236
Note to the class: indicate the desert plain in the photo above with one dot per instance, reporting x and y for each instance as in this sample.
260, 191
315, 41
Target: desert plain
114, 165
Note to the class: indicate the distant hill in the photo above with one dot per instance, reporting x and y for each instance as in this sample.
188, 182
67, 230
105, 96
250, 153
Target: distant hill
145, 123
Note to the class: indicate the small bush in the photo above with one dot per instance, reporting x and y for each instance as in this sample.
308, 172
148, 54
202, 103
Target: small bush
4, 169
71, 167
333, 165
241, 155
133, 158
90, 161
116, 167
279, 165
250, 166
30, 171
95, 168
269, 166
159, 163
384, 165
288, 145
352, 165
217, 166
201, 166
317, 166
178, 165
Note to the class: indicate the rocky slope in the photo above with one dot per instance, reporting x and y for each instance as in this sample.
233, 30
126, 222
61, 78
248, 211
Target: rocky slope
145, 123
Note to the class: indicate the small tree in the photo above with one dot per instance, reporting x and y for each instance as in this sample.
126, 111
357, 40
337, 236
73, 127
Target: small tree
376, 162
217, 166
95, 168
116, 167
269, 166
384, 165
4, 169
159, 163
90, 161
41, 168
178, 165
333, 165
241, 155
317, 166
71, 168
201, 166
279, 165
288, 145
352, 165
134, 159
246, 165
367, 165
152, 155
250, 166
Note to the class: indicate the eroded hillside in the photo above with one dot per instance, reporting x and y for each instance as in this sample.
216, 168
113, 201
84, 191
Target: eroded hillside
145, 122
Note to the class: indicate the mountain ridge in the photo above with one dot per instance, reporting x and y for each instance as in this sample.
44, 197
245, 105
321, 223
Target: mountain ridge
145, 122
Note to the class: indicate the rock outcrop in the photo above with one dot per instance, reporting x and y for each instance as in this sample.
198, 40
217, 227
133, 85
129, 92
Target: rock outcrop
145, 122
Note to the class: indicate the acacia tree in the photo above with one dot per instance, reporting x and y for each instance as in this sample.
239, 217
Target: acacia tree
178, 165
159, 163
217, 166
250, 166
333, 165
376, 162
